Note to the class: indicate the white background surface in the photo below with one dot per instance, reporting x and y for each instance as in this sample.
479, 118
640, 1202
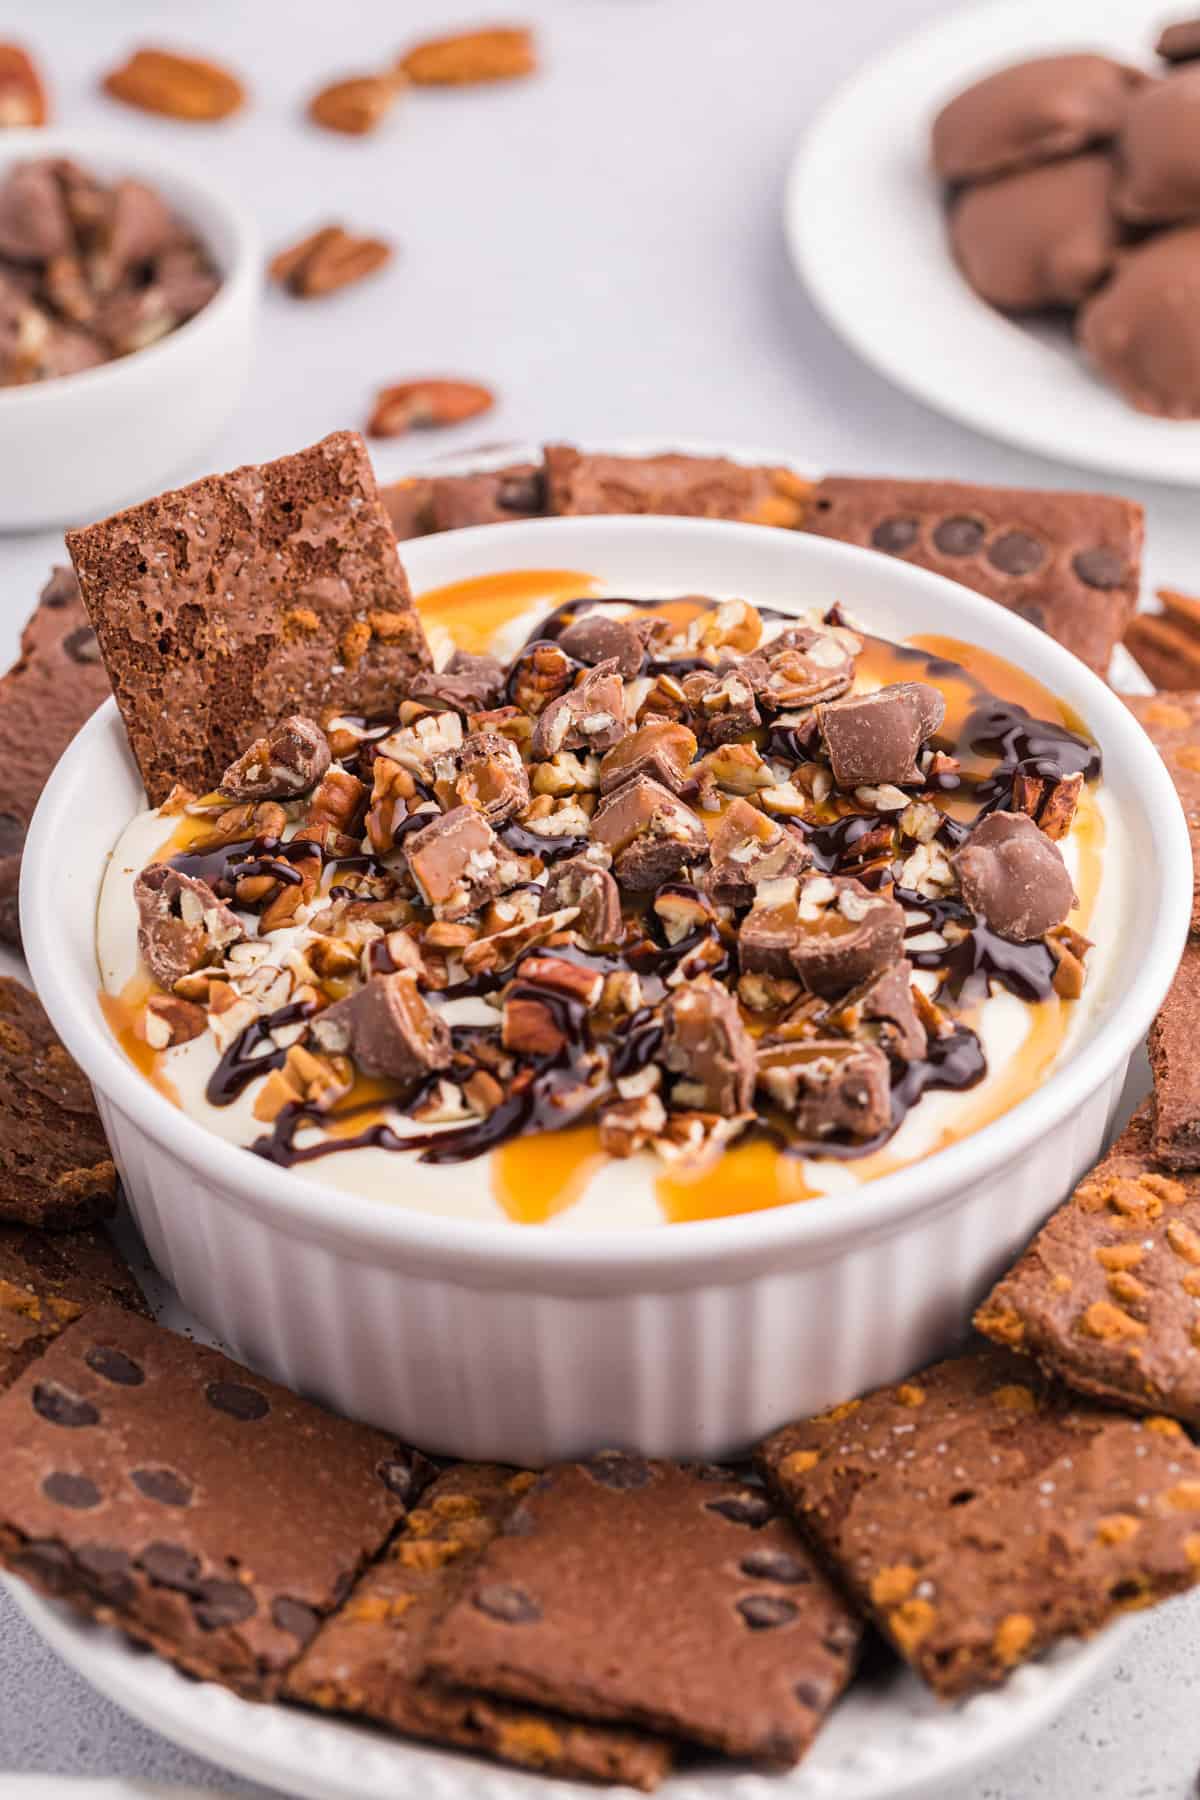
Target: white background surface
603, 246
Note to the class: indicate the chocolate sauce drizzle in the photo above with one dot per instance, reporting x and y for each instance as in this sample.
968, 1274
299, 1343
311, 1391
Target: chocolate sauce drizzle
555, 1091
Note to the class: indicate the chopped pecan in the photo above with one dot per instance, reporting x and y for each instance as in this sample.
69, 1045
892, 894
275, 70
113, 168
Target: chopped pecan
1069, 950
649, 832
1051, 804
763, 993
531, 1024
337, 801
802, 666
708, 1049
681, 910
467, 684
627, 1126
577, 980
874, 738
501, 949
22, 91
491, 776
748, 848
663, 749
721, 705
432, 739
393, 787
1014, 876
388, 1028
883, 1011
664, 700
589, 716
458, 862
169, 1020
499, 53
283, 908
326, 260
433, 402
539, 675
182, 926
828, 1085
356, 105
732, 625
829, 931
237, 823
736, 768
697, 1139
289, 761
304, 1079
182, 87
581, 882
597, 637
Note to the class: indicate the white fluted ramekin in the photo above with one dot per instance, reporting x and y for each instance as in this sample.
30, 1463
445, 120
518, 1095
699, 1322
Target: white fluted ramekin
528, 1344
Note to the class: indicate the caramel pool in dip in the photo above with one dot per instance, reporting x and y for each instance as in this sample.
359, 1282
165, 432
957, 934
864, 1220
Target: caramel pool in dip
681, 910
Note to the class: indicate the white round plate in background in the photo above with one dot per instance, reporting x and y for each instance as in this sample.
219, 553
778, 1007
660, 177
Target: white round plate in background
866, 228
888, 1740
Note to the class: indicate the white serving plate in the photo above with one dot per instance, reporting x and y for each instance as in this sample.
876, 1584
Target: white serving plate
864, 222
888, 1740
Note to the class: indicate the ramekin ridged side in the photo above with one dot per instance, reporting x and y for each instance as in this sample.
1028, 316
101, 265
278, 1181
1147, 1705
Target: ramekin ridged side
489, 1339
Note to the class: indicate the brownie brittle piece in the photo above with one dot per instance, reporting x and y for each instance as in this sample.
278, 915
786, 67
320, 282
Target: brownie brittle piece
1173, 721
707, 487
981, 1516
669, 1597
1175, 1068
367, 1658
225, 605
1106, 1295
209, 1513
407, 505
1070, 563
47, 1282
56, 1169
52, 689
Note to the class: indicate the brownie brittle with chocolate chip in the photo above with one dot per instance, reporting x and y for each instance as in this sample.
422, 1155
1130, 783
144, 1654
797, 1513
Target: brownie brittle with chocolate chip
367, 1659
206, 1511
46, 1282
1068, 562
646, 1592
980, 1516
56, 1169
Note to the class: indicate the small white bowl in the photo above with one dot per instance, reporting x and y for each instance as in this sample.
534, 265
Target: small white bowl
74, 448
528, 1344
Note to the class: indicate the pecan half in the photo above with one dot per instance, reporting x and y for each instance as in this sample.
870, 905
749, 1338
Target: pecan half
356, 105
432, 402
327, 260
289, 761
181, 87
22, 91
182, 925
501, 53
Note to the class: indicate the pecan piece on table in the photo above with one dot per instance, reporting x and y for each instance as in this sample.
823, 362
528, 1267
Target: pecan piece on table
388, 1028
427, 404
497, 53
289, 761
22, 91
356, 105
182, 925
649, 833
828, 1085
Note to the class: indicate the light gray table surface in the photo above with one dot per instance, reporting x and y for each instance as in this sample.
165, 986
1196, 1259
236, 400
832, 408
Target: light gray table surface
603, 246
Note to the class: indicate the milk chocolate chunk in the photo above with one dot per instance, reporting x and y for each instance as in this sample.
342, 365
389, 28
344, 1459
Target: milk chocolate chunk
643, 1591
828, 1086
578, 881
388, 1027
882, 1011
367, 1657
874, 738
224, 606
458, 862
284, 1501
1175, 1069
182, 926
597, 637
1038, 238
1142, 330
288, 761
1030, 113
588, 716
467, 684
1173, 722
663, 749
829, 932
708, 1049
1179, 42
488, 498
1013, 876
491, 776
1023, 548
52, 690
1105, 1296
706, 487
47, 1282
649, 832
1160, 143
1014, 1517
748, 848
